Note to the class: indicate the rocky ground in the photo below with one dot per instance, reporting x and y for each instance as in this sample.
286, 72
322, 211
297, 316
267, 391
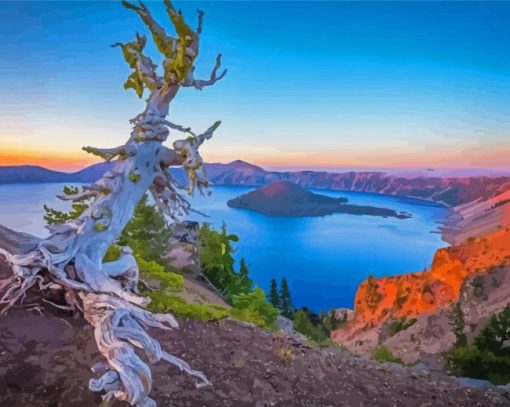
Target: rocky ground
45, 360
476, 274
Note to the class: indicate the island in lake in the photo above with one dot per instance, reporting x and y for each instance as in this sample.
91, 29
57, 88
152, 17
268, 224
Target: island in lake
283, 198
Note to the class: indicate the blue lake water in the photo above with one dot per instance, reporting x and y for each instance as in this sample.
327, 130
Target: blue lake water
323, 258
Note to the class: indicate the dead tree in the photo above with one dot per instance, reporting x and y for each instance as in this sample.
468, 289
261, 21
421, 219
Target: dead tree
71, 258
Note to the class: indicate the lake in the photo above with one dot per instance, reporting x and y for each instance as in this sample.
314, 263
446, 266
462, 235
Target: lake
323, 258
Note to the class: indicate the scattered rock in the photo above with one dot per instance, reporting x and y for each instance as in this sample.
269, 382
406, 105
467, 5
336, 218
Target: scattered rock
474, 383
49, 359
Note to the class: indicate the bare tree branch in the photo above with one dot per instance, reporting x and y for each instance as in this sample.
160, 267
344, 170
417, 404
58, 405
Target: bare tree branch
201, 83
206, 135
169, 158
167, 197
109, 154
178, 127
193, 163
200, 21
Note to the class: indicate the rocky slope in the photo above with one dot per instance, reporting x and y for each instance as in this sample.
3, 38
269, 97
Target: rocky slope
478, 218
46, 354
45, 360
474, 271
283, 198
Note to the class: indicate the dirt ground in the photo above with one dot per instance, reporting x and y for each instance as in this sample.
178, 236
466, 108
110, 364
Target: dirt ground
45, 361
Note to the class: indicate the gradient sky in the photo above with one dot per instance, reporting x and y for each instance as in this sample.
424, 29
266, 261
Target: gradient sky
310, 84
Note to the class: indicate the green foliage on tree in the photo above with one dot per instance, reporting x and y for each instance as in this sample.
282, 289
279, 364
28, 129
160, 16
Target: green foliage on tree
303, 324
216, 257
253, 307
456, 320
285, 300
146, 233
78, 206
245, 283
488, 357
274, 297
113, 253
217, 261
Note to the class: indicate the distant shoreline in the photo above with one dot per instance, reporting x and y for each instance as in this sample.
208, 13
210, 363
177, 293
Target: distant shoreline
447, 230
452, 193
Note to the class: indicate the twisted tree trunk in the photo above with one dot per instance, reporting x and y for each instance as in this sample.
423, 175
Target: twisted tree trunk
71, 258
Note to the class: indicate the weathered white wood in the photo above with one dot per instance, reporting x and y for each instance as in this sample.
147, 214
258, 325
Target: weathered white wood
72, 256
202, 83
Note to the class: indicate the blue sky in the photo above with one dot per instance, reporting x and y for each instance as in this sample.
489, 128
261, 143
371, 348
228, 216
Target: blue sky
310, 84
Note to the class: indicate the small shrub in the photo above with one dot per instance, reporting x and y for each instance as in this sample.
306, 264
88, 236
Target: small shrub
304, 325
253, 307
479, 288
456, 320
164, 302
328, 343
488, 357
383, 354
151, 270
400, 325
287, 355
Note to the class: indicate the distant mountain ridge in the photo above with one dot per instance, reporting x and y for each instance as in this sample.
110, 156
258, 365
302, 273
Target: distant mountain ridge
35, 174
449, 191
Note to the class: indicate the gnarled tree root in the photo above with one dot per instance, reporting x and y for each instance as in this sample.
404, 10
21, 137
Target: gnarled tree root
119, 328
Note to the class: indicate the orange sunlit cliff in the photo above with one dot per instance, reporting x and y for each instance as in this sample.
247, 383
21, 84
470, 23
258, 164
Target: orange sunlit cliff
413, 294
432, 292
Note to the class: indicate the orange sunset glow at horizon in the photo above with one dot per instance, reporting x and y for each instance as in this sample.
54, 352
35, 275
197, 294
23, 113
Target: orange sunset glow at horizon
61, 160
52, 160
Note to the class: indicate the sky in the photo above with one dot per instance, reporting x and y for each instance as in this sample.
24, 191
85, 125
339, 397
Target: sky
310, 85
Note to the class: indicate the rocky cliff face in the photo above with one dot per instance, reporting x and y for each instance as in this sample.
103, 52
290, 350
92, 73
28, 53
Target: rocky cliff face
474, 272
450, 191
478, 218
